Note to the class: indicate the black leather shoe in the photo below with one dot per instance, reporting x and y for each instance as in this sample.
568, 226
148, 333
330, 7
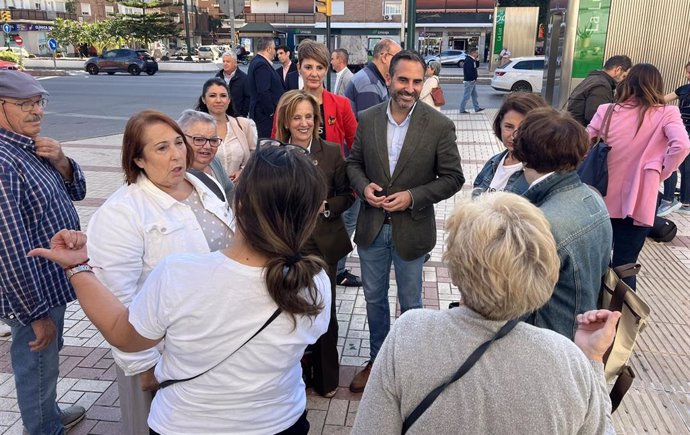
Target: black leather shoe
479, 110
348, 280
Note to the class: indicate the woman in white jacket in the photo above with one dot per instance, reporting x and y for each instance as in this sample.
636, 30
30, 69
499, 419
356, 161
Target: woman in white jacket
160, 210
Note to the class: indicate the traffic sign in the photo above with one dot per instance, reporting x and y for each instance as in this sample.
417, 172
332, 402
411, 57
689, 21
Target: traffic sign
18, 40
6, 28
52, 44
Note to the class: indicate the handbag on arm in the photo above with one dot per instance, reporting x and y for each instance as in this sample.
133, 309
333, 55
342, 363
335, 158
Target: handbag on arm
594, 169
437, 95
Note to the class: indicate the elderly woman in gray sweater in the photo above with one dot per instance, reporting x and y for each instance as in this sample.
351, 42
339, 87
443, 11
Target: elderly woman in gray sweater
502, 256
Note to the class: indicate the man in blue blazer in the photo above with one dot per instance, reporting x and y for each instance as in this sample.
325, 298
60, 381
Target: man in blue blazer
265, 87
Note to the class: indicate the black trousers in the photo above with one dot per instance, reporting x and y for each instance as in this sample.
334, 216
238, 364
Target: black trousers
628, 240
326, 367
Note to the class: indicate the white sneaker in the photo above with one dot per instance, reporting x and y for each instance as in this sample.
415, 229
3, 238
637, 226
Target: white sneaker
667, 207
5, 330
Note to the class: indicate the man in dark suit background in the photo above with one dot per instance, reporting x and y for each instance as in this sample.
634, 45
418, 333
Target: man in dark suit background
286, 64
237, 81
404, 160
265, 87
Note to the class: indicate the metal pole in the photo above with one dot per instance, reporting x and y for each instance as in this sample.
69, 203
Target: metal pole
402, 20
186, 31
411, 23
233, 45
328, 44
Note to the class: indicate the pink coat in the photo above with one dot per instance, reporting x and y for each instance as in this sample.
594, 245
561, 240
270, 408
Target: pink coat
640, 160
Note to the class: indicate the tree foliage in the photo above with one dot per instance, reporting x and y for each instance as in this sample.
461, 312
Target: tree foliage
148, 27
68, 32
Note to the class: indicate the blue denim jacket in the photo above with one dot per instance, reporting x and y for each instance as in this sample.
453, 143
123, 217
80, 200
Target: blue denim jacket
581, 226
516, 182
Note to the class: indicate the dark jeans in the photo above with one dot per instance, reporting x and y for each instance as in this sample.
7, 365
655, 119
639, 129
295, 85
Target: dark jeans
628, 240
301, 427
670, 183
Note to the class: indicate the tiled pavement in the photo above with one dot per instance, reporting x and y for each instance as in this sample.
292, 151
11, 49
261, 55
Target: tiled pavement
658, 403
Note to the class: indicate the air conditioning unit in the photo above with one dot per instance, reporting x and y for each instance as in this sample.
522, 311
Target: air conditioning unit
387, 18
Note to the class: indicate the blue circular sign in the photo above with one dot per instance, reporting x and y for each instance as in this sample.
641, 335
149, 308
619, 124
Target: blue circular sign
6, 28
52, 44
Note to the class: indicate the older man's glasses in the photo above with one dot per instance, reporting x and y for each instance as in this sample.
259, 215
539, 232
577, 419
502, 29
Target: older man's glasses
27, 106
199, 141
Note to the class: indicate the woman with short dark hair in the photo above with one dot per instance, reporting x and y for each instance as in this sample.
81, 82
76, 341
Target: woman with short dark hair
160, 210
550, 145
236, 322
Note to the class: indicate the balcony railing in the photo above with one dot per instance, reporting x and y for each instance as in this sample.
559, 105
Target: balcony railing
280, 18
37, 15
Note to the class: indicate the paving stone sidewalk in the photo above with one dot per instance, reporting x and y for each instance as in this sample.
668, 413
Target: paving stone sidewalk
658, 403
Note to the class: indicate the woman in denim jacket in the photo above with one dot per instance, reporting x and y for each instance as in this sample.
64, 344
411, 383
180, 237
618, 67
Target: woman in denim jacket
550, 145
503, 171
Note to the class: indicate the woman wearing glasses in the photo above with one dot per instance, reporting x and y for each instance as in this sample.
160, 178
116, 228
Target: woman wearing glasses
159, 211
238, 134
247, 380
201, 131
297, 123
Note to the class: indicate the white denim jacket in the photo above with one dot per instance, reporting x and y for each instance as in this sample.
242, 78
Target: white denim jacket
137, 227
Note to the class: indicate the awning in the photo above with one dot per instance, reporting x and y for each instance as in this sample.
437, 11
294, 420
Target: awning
258, 30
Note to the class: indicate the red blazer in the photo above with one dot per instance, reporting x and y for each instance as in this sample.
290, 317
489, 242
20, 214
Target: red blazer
339, 121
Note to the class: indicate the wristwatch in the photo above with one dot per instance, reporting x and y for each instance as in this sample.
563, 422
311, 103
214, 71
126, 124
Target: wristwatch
326, 210
77, 269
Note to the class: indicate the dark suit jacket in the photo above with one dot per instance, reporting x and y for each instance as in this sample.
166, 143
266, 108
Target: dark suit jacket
239, 91
265, 89
279, 70
330, 238
292, 80
428, 166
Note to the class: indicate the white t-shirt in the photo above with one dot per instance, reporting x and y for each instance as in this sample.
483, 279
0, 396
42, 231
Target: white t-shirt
503, 174
206, 306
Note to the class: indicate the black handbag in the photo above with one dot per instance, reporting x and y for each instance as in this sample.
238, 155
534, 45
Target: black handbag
594, 169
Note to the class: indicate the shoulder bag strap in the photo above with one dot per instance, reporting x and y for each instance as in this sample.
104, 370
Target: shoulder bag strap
208, 182
464, 368
270, 320
606, 123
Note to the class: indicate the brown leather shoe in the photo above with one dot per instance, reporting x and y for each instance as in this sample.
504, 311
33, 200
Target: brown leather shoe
360, 380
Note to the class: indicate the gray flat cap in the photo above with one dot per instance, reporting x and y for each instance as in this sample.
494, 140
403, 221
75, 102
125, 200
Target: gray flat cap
19, 85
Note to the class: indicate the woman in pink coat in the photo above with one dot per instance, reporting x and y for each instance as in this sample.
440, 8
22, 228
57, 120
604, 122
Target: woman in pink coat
648, 142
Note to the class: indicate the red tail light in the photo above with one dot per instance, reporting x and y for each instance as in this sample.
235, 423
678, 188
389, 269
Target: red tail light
499, 73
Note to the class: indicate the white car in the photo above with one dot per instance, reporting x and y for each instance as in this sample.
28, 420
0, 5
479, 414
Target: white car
522, 74
449, 57
209, 52
21, 51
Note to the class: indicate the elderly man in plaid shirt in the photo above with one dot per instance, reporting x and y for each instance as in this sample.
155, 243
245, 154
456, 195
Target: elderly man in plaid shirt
37, 186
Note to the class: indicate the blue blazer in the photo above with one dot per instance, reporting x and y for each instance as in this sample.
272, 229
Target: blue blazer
265, 89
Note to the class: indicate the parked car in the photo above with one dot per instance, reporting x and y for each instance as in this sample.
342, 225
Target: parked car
449, 57
182, 51
21, 51
521, 74
8, 65
208, 52
122, 60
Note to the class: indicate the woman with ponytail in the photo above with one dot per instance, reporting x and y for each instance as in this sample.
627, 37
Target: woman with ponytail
236, 322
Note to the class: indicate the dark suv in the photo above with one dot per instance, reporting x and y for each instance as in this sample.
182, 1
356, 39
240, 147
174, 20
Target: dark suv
122, 60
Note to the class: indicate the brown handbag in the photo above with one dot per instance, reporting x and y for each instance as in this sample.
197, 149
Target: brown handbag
438, 97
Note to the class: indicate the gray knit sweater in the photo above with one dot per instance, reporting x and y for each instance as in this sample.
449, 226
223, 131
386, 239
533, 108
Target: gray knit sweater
532, 381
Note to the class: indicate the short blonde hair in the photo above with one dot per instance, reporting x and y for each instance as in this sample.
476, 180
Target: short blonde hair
501, 254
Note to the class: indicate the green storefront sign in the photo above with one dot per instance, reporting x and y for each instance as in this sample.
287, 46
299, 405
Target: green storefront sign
590, 42
500, 24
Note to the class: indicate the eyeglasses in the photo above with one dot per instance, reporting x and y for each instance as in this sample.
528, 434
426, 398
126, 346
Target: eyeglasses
266, 143
27, 106
200, 141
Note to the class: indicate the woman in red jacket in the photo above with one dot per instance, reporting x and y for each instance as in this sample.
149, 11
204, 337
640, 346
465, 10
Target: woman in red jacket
338, 122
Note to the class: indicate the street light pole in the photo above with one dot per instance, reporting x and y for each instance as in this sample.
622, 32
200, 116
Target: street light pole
186, 31
411, 23
232, 25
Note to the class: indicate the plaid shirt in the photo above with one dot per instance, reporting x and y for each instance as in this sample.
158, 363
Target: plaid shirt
35, 203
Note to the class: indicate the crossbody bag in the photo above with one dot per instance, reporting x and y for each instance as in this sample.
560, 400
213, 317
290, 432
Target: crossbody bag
270, 320
464, 368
